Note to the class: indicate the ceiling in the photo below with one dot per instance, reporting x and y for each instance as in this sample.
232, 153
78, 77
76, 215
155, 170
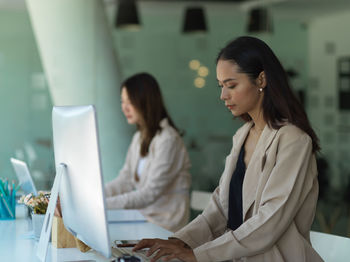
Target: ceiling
304, 9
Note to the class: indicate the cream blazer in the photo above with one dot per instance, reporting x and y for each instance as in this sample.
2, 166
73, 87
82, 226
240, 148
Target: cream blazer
162, 193
279, 195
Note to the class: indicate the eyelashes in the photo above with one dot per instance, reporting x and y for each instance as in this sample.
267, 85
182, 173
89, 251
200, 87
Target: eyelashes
229, 87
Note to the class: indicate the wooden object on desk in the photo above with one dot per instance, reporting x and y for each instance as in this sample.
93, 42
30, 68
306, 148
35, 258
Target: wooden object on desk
60, 237
81, 245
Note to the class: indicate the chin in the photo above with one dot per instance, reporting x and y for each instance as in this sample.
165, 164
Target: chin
234, 113
130, 121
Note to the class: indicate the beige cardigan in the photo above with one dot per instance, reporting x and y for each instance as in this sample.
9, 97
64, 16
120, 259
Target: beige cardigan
162, 193
280, 192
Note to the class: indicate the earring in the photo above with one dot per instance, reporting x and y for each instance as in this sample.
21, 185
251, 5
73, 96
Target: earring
260, 89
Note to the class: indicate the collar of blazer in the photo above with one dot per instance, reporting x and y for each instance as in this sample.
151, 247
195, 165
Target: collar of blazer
254, 169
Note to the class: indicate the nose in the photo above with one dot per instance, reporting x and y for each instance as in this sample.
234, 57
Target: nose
124, 108
224, 94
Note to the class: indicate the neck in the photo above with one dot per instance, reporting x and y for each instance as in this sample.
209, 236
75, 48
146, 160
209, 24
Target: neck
259, 121
257, 115
259, 127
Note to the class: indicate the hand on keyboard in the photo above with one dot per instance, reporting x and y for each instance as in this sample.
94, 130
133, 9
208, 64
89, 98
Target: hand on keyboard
169, 249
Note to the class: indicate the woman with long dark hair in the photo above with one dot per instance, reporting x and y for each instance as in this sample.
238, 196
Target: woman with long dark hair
265, 203
155, 177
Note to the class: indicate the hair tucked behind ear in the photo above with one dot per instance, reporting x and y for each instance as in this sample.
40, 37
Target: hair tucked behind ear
279, 104
145, 95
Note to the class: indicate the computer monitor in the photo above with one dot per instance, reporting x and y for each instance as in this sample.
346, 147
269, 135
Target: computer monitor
25, 179
81, 191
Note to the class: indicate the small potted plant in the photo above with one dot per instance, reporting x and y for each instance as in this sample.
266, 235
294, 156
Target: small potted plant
38, 206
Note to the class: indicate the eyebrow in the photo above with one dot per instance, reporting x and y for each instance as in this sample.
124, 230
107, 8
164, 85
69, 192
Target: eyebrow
226, 80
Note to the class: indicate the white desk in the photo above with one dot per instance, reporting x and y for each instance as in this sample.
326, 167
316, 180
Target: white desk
15, 247
331, 247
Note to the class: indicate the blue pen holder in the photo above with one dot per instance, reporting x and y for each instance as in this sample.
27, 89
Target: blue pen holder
7, 207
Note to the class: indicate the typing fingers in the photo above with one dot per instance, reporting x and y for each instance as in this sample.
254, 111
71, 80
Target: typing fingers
144, 243
160, 244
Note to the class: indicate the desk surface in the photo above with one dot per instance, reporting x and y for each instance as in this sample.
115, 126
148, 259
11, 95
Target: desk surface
15, 246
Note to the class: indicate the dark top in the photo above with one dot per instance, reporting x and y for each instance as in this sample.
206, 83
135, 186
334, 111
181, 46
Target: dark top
235, 209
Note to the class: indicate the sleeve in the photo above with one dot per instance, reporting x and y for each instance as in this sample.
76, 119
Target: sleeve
285, 191
212, 222
205, 227
162, 171
123, 182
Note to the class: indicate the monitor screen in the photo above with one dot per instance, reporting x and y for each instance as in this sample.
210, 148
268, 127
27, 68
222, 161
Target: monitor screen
81, 191
25, 179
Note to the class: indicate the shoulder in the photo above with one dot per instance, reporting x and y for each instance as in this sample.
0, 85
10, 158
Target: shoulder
167, 139
167, 130
290, 133
167, 133
136, 137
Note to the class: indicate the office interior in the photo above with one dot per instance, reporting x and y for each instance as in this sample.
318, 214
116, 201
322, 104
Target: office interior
71, 52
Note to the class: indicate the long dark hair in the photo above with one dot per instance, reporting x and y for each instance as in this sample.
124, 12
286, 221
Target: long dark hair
145, 95
279, 103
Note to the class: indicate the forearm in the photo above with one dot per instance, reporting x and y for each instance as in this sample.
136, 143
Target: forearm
119, 185
136, 199
207, 226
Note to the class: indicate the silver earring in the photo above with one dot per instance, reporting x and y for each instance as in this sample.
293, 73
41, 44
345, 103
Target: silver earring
260, 89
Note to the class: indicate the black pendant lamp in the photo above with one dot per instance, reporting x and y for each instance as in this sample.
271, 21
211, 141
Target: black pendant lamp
194, 20
259, 21
127, 15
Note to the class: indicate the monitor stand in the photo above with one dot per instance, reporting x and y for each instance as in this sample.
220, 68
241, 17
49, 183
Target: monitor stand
47, 225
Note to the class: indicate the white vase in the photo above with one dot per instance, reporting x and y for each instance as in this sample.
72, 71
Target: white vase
37, 223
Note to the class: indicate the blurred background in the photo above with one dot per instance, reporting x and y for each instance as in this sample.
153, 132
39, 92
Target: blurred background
77, 52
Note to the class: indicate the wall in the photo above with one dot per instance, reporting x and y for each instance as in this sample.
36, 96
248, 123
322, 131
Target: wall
328, 41
25, 104
81, 66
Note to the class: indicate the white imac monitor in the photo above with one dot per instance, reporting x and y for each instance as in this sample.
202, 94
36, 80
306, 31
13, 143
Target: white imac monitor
81, 190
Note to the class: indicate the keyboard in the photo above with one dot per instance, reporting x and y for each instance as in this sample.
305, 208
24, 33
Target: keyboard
120, 251
141, 254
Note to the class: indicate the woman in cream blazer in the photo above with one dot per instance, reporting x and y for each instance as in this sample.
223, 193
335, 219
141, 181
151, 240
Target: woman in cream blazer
155, 181
265, 203
280, 190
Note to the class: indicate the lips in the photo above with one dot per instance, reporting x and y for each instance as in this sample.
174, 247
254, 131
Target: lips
230, 107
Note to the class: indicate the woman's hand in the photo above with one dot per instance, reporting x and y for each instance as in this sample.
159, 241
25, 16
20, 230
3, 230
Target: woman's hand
167, 249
